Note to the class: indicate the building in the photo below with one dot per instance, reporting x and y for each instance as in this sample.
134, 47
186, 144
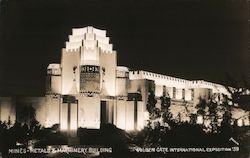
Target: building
88, 89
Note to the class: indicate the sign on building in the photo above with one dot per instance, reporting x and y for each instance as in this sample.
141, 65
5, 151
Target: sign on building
90, 79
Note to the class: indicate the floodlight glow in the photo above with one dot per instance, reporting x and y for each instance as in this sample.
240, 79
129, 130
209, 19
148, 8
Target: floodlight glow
129, 126
64, 126
146, 115
240, 122
200, 119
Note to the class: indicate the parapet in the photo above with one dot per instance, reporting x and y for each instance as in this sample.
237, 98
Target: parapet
140, 74
177, 82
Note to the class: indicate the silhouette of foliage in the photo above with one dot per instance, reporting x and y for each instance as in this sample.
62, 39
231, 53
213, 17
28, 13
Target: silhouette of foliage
151, 101
27, 114
165, 101
201, 106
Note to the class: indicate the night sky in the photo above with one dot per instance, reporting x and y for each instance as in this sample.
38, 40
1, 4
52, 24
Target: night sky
191, 39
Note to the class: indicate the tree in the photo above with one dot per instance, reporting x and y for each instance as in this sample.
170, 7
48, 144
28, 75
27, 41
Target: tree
193, 119
178, 118
212, 108
27, 114
165, 101
151, 101
226, 128
155, 113
201, 106
165, 104
236, 88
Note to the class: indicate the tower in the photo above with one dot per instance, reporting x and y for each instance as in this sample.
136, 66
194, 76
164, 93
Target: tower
53, 94
53, 79
89, 51
88, 73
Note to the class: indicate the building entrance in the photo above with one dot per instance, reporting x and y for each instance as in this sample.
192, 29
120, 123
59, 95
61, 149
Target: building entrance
106, 112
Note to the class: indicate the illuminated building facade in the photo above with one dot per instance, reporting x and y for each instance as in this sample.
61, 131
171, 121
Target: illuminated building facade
88, 89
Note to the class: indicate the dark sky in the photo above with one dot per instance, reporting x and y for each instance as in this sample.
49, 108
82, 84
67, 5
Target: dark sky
191, 39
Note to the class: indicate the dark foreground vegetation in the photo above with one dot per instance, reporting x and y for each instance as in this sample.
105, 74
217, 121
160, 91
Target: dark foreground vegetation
182, 135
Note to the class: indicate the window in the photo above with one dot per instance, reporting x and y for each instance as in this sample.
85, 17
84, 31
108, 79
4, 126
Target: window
164, 90
183, 94
174, 92
192, 94
209, 93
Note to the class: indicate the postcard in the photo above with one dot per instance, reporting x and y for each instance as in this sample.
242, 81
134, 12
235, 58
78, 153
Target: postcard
145, 78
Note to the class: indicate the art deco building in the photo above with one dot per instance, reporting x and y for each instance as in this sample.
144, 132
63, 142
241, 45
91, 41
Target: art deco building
88, 89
